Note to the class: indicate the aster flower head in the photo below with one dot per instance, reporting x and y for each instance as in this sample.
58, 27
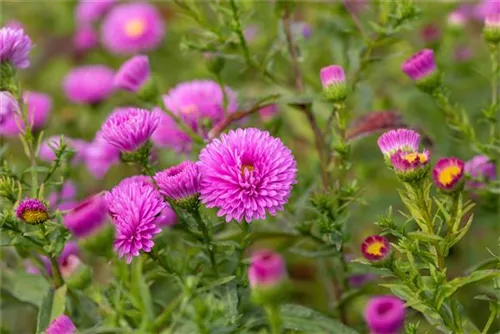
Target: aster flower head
89, 11
385, 314
89, 84
8, 108
15, 47
100, 156
267, 113
134, 206
39, 107
128, 129
376, 248
167, 217
133, 74
333, 81
267, 275
85, 39
448, 174
404, 140
411, 167
200, 100
32, 211
132, 27
168, 134
245, 174
87, 217
457, 19
181, 183
61, 325
491, 12
421, 68
480, 170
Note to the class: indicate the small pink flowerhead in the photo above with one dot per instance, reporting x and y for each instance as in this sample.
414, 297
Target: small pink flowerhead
411, 167
65, 198
128, 129
89, 84
132, 27
267, 268
385, 315
169, 135
245, 174
15, 47
87, 217
457, 18
89, 11
133, 74
180, 183
267, 113
333, 81
167, 217
404, 140
32, 211
491, 29
9, 108
480, 170
376, 248
61, 325
421, 68
448, 174
100, 156
430, 33
85, 39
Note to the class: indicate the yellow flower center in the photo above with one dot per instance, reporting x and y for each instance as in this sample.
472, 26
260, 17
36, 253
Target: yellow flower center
35, 216
412, 157
190, 109
135, 27
449, 174
375, 248
247, 168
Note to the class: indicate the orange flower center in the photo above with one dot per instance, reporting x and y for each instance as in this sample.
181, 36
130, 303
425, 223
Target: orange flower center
449, 174
247, 168
412, 157
190, 109
35, 216
135, 27
375, 248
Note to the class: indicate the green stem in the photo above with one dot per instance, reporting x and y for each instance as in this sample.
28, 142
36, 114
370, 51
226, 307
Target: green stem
209, 248
56, 273
492, 317
495, 69
165, 316
274, 318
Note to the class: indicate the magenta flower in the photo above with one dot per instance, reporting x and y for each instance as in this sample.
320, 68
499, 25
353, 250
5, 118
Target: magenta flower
39, 108
333, 81
404, 140
77, 145
89, 11
420, 66
267, 113
266, 269
32, 211
376, 248
87, 217
411, 166
246, 173
134, 206
448, 174
9, 108
131, 28
128, 129
64, 199
169, 135
167, 217
491, 11
61, 325
68, 262
85, 38
458, 18
480, 170
133, 74
179, 182
100, 156
88, 84
385, 315
14, 24
197, 100
15, 47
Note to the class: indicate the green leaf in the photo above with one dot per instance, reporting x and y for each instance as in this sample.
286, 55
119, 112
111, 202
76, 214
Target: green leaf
28, 288
59, 302
303, 319
220, 281
141, 290
44, 311
423, 236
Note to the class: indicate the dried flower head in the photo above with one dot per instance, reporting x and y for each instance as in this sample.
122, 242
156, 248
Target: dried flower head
32, 211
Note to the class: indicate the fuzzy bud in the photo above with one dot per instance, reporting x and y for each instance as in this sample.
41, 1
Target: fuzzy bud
267, 277
333, 81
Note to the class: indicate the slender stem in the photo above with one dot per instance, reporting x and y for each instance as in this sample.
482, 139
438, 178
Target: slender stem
165, 316
56, 273
274, 317
239, 31
209, 248
492, 317
495, 71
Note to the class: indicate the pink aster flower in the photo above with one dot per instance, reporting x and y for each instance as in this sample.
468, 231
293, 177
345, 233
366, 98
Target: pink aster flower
385, 315
68, 262
32, 211
89, 11
88, 84
15, 47
167, 217
333, 81
269, 112
169, 135
100, 156
134, 205
376, 248
85, 38
61, 325
267, 268
129, 128
87, 217
197, 100
448, 174
404, 140
65, 198
246, 173
420, 66
430, 33
133, 74
79, 147
480, 170
411, 167
9, 108
179, 182
132, 27
39, 108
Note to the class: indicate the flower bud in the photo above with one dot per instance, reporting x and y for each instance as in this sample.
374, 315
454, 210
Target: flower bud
32, 211
333, 81
133, 74
411, 167
61, 325
491, 30
181, 184
421, 68
448, 175
385, 315
267, 277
